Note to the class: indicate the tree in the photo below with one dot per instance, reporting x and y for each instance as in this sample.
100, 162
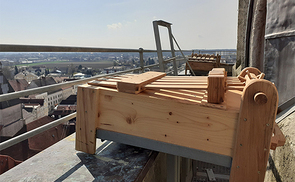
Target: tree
15, 70
80, 67
46, 72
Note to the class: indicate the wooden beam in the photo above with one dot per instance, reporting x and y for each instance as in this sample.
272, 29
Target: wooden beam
254, 132
190, 125
136, 83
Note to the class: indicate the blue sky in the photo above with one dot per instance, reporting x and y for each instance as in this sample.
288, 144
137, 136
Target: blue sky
197, 24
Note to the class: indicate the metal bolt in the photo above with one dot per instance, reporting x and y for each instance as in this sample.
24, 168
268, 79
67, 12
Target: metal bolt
267, 124
265, 149
258, 172
241, 145
86, 111
238, 166
245, 119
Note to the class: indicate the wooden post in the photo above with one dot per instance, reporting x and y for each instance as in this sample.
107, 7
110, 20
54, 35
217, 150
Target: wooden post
255, 127
87, 118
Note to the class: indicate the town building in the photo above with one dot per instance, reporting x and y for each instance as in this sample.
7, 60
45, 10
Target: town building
26, 75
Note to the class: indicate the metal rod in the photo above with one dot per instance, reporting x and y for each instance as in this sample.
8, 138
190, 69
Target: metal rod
41, 48
141, 59
184, 56
172, 49
36, 131
158, 46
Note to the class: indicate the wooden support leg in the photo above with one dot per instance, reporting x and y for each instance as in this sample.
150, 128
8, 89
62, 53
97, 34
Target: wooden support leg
255, 127
87, 118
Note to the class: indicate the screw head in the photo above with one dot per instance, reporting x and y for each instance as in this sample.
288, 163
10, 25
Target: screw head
267, 124
245, 119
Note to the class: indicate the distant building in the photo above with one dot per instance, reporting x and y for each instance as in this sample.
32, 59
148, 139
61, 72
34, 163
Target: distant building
26, 75
10, 111
79, 76
43, 81
34, 108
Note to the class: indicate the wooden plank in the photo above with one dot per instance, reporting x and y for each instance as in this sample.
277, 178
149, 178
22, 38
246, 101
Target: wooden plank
181, 81
178, 83
254, 132
241, 88
184, 78
193, 87
194, 126
207, 104
136, 83
103, 84
87, 118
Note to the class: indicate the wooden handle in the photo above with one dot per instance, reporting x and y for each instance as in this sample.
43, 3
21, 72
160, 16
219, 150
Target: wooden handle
260, 98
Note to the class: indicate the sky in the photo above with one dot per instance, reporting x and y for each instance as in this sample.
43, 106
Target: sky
196, 24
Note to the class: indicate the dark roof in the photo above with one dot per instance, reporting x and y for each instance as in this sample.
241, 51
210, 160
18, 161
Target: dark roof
47, 138
43, 81
5, 87
19, 84
71, 100
32, 101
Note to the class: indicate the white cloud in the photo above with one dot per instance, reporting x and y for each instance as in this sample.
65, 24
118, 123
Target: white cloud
115, 26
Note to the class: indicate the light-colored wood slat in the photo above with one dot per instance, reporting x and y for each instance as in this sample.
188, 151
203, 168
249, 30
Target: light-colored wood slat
192, 126
181, 95
103, 84
136, 83
184, 78
109, 80
87, 120
194, 87
161, 96
205, 102
179, 83
177, 98
235, 88
254, 132
235, 84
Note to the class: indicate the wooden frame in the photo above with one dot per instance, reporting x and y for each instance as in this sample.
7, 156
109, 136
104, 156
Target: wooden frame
240, 127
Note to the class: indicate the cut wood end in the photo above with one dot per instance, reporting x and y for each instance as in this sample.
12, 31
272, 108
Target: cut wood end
260, 98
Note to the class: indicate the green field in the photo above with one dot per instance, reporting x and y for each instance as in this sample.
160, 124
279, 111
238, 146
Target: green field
64, 64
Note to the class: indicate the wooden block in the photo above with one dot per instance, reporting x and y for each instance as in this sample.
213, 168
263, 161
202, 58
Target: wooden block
216, 85
87, 118
278, 139
136, 83
189, 125
254, 132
